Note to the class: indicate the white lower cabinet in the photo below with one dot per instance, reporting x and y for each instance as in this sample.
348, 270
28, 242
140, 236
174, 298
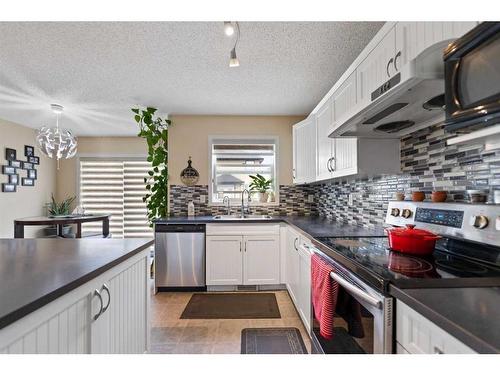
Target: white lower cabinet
416, 334
67, 324
304, 289
249, 259
292, 263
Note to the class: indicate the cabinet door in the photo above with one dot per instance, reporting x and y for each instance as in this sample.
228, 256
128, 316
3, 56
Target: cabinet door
376, 68
304, 304
346, 157
123, 328
224, 260
304, 151
412, 38
261, 260
324, 144
344, 101
292, 263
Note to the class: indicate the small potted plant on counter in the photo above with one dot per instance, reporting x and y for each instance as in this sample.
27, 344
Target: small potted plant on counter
261, 185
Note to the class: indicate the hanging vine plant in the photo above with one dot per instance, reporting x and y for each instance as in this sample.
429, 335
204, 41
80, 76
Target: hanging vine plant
155, 130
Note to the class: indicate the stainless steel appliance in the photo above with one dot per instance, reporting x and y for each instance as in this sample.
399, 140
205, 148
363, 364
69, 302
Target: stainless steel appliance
179, 257
411, 99
468, 255
472, 79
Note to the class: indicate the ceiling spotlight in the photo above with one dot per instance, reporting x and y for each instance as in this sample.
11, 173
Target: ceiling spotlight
233, 59
228, 28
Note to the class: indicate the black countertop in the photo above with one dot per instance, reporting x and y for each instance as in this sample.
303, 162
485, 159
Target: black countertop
469, 314
311, 226
34, 272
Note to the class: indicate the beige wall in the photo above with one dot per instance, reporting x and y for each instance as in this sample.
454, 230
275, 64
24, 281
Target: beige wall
27, 201
187, 137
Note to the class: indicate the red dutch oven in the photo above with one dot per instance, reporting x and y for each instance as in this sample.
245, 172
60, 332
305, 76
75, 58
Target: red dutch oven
412, 241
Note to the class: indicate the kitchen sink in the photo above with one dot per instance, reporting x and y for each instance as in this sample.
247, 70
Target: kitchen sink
244, 217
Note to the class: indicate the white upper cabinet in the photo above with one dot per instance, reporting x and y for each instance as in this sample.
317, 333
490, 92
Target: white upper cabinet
344, 101
345, 161
412, 38
324, 145
304, 151
376, 68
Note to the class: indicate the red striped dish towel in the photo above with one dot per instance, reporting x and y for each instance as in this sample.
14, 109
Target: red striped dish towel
324, 295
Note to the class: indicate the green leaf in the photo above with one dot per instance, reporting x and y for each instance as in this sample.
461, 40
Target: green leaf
137, 118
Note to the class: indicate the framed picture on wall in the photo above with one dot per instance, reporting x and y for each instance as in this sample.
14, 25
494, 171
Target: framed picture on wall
34, 159
8, 188
29, 151
27, 165
32, 174
28, 182
8, 169
10, 154
14, 179
16, 163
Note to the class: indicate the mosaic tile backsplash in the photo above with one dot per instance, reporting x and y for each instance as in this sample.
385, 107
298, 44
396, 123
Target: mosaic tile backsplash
427, 164
293, 201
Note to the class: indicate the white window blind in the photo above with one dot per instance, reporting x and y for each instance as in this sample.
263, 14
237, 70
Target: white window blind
116, 187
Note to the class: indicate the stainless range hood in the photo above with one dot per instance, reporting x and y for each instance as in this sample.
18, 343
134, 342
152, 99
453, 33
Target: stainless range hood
415, 100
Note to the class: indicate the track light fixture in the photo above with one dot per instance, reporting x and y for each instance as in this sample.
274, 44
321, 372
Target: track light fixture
229, 29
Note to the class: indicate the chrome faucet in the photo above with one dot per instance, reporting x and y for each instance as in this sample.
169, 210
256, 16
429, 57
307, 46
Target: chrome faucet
226, 198
243, 202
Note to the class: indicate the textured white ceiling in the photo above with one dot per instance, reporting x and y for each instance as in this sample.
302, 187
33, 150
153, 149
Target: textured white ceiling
99, 70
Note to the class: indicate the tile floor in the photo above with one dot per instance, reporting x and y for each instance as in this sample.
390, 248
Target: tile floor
172, 335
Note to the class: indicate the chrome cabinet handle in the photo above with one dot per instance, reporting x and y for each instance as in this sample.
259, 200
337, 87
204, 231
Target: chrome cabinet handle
245, 246
240, 247
98, 294
328, 165
105, 288
332, 159
388, 65
396, 60
295, 244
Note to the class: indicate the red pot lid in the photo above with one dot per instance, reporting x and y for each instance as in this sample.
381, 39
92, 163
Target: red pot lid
411, 231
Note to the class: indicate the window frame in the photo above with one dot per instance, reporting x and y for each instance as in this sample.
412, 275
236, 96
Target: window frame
271, 139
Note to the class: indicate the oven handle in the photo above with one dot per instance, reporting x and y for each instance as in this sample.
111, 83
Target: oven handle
357, 292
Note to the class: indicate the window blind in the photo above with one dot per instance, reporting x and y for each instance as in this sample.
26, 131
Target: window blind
116, 187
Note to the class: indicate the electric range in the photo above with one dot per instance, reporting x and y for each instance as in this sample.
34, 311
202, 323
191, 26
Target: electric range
468, 255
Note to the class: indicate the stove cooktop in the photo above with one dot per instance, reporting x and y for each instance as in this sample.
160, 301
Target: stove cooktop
454, 263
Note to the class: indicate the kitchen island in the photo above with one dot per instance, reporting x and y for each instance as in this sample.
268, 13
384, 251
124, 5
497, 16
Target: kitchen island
74, 296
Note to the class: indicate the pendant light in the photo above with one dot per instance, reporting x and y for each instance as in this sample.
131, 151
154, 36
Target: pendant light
54, 142
229, 29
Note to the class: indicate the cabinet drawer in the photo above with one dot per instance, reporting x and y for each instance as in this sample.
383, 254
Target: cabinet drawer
225, 229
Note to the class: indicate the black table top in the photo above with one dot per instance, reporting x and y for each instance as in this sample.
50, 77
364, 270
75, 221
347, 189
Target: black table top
469, 314
34, 272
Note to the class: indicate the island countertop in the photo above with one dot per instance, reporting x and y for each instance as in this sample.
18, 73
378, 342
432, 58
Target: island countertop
34, 272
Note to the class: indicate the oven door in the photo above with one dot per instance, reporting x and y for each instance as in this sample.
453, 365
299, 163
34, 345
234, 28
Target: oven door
362, 323
472, 79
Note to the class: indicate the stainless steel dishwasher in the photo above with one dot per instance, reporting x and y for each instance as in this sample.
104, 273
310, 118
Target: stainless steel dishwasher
179, 257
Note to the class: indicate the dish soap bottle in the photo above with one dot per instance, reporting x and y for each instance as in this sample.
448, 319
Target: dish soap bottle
190, 208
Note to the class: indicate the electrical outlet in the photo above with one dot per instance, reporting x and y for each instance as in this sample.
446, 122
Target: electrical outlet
310, 198
202, 199
350, 201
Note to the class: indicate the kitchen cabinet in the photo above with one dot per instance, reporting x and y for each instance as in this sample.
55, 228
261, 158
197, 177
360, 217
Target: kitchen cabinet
224, 260
243, 254
412, 38
67, 324
415, 334
376, 68
324, 144
344, 101
304, 151
292, 263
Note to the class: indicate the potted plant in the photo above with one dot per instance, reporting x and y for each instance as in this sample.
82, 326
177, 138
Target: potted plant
261, 185
55, 209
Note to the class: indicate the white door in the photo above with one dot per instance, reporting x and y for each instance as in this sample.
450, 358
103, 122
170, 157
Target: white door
344, 101
376, 68
304, 305
324, 144
261, 260
345, 161
292, 263
224, 260
304, 151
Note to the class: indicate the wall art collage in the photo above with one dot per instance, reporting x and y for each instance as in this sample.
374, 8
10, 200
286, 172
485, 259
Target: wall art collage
14, 166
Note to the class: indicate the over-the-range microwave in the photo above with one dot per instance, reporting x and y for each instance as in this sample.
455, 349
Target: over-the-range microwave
472, 79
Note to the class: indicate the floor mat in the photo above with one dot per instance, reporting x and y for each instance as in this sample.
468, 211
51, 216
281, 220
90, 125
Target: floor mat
232, 306
272, 341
